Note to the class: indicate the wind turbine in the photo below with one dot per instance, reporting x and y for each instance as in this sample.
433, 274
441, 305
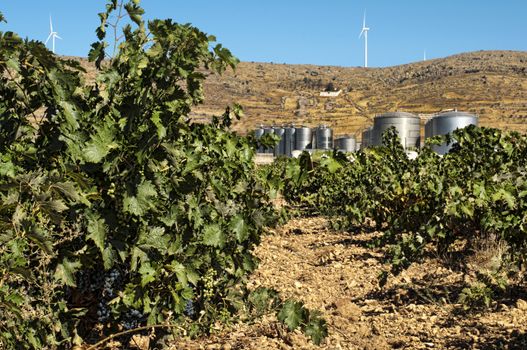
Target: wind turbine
365, 32
52, 35
424, 55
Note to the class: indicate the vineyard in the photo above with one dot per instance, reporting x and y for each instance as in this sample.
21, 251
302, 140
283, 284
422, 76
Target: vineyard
474, 194
122, 220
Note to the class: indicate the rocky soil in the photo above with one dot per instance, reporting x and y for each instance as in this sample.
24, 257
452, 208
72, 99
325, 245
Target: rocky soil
336, 273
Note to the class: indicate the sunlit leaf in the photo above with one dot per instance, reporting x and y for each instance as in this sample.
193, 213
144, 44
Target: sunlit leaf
213, 236
292, 314
65, 271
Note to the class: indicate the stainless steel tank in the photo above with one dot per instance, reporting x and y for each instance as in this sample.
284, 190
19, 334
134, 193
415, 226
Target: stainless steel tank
446, 123
366, 137
289, 141
428, 128
323, 137
406, 124
258, 133
303, 137
346, 143
279, 149
268, 130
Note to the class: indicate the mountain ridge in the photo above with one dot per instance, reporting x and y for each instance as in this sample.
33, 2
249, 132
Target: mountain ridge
491, 84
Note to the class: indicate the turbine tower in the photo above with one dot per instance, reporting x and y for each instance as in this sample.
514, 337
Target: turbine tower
365, 32
52, 35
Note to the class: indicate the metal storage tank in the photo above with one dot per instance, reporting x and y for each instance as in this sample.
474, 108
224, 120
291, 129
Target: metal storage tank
428, 128
346, 143
258, 133
280, 147
366, 138
446, 123
407, 126
289, 140
303, 136
323, 137
268, 130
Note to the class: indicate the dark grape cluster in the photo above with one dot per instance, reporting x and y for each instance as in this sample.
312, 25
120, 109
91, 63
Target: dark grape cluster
103, 311
97, 280
132, 319
111, 283
90, 280
83, 281
189, 308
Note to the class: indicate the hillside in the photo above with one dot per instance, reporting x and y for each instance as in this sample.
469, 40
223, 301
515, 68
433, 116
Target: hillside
492, 84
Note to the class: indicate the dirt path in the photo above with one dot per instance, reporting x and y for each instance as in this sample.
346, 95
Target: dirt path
337, 274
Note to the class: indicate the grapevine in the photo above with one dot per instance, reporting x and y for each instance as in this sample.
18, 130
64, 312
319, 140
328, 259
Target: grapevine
115, 208
477, 191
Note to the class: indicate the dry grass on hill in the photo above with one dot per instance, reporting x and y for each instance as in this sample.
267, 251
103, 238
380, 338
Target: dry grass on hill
492, 84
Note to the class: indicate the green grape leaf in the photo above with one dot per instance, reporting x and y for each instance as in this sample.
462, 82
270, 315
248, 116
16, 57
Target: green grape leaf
144, 201
7, 168
97, 53
506, 196
292, 314
239, 227
213, 236
148, 274
135, 12
101, 143
65, 272
70, 114
97, 231
316, 329
156, 120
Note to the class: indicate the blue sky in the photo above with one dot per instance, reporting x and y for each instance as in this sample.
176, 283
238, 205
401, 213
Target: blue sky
302, 31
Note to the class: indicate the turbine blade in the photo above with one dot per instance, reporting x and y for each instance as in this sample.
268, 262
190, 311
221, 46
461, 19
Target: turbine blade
50, 24
58, 37
364, 20
49, 37
362, 31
